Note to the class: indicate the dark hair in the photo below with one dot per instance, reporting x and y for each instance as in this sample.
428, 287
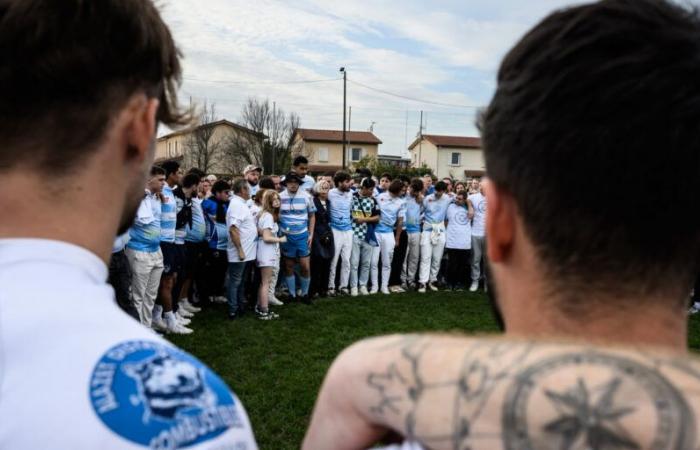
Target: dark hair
299, 160
603, 88
70, 66
170, 167
190, 180
440, 186
367, 183
157, 170
387, 175
196, 171
340, 177
404, 178
220, 186
239, 185
417, 185
396, 187
266, 183
363, 172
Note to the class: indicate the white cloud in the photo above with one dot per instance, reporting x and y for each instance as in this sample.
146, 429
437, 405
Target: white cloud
410, 48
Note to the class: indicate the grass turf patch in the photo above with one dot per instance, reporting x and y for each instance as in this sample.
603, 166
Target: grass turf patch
276, 367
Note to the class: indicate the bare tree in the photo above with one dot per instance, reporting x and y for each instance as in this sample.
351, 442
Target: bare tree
202, 150
270, 144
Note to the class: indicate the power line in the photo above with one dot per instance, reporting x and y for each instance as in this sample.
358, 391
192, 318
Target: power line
261, 82
412, 98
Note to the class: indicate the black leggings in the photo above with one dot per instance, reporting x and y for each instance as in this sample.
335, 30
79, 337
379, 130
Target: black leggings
458, 267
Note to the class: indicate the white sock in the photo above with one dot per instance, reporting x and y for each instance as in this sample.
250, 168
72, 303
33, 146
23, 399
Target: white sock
157, 312
696, 305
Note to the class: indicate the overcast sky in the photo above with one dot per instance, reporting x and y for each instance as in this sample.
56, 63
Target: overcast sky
445, 52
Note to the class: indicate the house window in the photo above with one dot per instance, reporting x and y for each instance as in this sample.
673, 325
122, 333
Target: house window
356, 154
455, 159
323, 154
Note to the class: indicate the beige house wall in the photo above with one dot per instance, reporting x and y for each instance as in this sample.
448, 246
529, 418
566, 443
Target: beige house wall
178, 145
335, 152
424, 153
470, 159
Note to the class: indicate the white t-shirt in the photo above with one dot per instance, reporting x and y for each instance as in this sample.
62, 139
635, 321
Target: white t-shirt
268, 254
77, 373
239, 215
479, 204
459, 229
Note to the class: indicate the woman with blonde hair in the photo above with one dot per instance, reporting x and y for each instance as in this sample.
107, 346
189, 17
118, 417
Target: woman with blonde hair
268, 255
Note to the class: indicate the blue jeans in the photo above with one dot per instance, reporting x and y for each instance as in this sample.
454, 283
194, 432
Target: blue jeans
236, 286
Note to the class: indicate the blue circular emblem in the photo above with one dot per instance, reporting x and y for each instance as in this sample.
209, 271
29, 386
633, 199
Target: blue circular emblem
160, 397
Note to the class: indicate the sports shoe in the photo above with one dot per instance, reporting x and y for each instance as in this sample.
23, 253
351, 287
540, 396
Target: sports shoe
274, 301
421, 288
433, 286
182, 320
353, 292
184, 312
474, 286
176, 328
158, 324
185, 304
220, 299
331, 293
364, 291
344, 291
386, 291
265, 315
694, 309
397, 289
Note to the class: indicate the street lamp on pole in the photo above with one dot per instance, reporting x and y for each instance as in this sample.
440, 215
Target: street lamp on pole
345, 84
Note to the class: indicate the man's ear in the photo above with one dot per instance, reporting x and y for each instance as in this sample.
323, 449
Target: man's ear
500, 222
140, 128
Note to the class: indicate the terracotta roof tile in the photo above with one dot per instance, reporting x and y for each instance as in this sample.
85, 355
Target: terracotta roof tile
450, 141
354, 137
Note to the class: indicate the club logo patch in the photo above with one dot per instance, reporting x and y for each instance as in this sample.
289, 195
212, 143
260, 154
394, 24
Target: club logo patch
160, 397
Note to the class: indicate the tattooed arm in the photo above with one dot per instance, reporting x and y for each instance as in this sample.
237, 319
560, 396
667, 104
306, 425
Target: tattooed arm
450, 392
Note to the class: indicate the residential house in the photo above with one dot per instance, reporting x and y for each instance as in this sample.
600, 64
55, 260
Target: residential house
458, 157
214, 147
324, 148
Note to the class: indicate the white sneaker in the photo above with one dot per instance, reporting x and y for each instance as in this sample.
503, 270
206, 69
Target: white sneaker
364, 291
184, 312
474, 286
433, 287
421, 288
158, 324
220, 299
385, 291
185, 304
173, 326
274, 301
353, 292
373, 291
182, 320
396, 289
694, 309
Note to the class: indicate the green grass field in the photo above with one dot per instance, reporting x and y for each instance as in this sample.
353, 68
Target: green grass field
277, 367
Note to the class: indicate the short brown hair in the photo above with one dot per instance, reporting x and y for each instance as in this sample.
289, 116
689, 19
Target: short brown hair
66, 68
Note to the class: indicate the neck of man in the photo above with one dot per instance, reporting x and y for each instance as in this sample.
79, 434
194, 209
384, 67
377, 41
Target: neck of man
61, 210
531, 309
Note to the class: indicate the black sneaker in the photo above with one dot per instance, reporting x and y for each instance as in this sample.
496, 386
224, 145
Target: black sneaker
265, 315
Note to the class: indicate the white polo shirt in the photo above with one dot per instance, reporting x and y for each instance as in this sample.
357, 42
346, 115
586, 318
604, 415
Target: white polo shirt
78, 373
239, 215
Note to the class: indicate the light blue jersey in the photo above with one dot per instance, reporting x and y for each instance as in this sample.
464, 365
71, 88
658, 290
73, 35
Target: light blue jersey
435, 210
181, 232
414, 215
198, 231
391, 210
341, 205
295, 211
144, 234
217, 232
168, 219
308, 184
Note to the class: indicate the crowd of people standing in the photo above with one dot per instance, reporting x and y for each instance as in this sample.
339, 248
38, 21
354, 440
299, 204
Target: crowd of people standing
247, 242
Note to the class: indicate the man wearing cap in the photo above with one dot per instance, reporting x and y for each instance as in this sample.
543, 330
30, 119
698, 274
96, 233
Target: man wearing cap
297, 222
252, 176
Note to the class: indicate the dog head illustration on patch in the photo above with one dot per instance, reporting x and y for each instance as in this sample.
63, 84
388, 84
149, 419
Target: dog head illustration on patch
168, 385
